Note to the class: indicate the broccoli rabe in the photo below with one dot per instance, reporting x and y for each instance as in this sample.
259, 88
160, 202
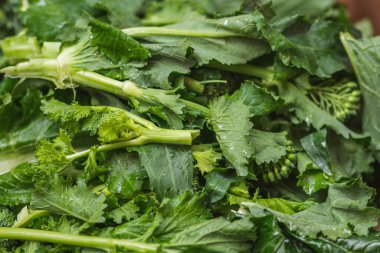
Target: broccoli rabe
116, 128
76, 65
340, 100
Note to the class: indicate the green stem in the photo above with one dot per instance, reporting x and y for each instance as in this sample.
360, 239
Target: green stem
146, 123
193, 85
75, 240
157, 135
161, 31
50, 69
244, 69
107, 147
100, 82
34, 214
213, 81
197, 107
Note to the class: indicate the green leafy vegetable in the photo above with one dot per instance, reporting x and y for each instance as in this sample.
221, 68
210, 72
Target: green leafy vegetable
231, 123
169, 168
77, 201
206, 157
345, 205
186, 126
364, 58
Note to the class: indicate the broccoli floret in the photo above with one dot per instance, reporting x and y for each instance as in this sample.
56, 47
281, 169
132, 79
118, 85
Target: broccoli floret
276, 171
340, 99
7, 219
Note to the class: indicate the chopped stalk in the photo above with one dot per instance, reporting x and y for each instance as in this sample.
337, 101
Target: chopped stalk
116, 128
65, 77
75, 240
161, 31
168, 136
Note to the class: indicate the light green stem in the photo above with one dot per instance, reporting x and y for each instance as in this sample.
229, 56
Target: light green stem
193, 85
245, 69
34, 214
50, 69
75, 240
156, 135
161, 31
100, 82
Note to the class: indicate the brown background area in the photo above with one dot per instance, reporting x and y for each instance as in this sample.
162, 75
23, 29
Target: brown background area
360, 9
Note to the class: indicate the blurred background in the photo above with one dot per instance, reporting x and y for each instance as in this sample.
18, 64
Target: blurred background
362, 9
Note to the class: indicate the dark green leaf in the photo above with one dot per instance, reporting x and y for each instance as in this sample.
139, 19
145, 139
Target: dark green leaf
78, 201
126, 212
176, 214
216, 235
315, 146
259, 100
344, 213
348, 157
217, 184
230, 49
157, 72
364, 55
231, 123
313, 180
126, 175
312, 49
271, 239
121, 13
169, 168
268, 146
309, 112
54, 19
354, 244
121, 49
16, 186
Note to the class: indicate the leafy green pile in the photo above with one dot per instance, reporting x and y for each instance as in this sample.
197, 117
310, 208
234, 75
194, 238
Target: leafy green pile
187, 126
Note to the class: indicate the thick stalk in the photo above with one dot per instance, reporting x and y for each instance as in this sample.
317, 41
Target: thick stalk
161, 31
100, 82
75, 240
193, 85
169, 136
157, 135
50, 69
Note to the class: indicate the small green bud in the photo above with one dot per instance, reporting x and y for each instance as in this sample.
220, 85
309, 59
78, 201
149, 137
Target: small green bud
356, 93
271, 177
353, 98
292, 157
277, 174
351, 85
290, 149
339, 115
288, 143
289, 163
284, 171
348, 105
